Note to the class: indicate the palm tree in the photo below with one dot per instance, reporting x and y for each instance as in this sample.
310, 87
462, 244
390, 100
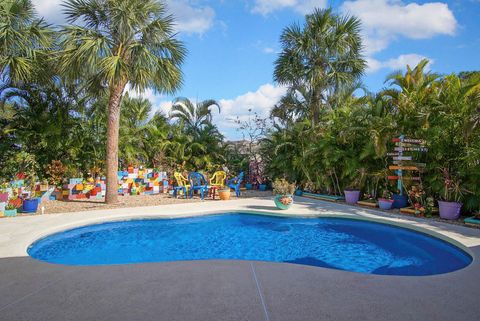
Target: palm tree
115, 43
320, 56
23, 40
194, 117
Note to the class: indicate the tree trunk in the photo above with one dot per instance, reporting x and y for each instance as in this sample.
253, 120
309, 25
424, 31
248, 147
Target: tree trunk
113, 124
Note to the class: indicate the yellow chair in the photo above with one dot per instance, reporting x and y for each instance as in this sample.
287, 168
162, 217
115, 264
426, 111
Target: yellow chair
182, 184
218, 179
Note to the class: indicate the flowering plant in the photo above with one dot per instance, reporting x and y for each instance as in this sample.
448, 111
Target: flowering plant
422, 203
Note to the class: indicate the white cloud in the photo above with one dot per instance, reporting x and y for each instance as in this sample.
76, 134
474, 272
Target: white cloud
386, 20
399, 63
51, 10
260, 101
265, 7
268, 50
190, 18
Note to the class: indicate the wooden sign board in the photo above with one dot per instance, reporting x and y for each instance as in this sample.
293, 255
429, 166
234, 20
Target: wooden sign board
408, 145
404, 168
402, 158
404, 178
411, 149
409, 163
408, 140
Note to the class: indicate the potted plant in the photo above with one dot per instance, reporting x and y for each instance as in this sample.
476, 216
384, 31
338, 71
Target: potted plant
450, 204
224, 193
283, 191
10, 210
30, 167
352, 193
385, 202
298, 192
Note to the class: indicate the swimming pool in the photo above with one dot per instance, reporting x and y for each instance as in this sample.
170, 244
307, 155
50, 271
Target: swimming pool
337, 243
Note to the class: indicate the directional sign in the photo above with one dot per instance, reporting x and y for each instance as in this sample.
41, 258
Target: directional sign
409, 163
411, 149
404, 178
393, 154
402, 158
400, 144
408, 140
404, 168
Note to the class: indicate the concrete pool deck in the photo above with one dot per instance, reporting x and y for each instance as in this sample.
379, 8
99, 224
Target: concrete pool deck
226, 290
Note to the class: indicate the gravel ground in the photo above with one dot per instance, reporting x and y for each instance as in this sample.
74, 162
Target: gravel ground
52, 207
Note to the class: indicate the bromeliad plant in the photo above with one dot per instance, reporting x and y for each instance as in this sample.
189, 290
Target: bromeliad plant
422, 204
452, 190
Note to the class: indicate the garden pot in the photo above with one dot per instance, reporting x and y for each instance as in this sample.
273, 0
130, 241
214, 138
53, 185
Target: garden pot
224, 194
298, 192
283, 202
3, 197
385, 204
352, 196
10, 212
449, 210
248, 186
30, 205
399, 201
262, 187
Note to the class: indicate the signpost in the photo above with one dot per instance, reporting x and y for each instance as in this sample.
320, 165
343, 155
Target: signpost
403, 162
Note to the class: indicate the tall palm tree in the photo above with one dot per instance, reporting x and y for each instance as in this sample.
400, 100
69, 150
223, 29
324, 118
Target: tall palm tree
321, 56
23, 40
194, 116
119, 42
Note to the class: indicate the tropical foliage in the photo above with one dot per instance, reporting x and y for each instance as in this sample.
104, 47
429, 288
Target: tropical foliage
329, 135
70, 106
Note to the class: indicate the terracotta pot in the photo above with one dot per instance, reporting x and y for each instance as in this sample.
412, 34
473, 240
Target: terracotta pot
224, 194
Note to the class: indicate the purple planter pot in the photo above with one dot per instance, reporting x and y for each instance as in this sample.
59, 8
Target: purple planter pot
352, 196
449, 210
385, 204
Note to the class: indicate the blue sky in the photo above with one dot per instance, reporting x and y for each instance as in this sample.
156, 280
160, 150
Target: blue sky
233, 44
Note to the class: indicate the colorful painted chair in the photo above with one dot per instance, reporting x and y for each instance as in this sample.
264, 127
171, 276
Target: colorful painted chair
234, 183
199, 183
182, 185
218, 179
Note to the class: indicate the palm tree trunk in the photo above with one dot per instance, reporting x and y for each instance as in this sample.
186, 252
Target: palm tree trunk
113, 125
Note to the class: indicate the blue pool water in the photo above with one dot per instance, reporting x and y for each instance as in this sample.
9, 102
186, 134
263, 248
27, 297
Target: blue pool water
335, 243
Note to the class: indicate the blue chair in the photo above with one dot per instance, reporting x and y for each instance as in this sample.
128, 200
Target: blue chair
234, 183
198, 183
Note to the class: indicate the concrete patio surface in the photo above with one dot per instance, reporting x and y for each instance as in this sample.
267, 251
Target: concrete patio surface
226, 290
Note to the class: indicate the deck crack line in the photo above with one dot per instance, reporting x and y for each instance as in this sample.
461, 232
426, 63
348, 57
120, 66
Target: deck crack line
267, 318
34, 292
